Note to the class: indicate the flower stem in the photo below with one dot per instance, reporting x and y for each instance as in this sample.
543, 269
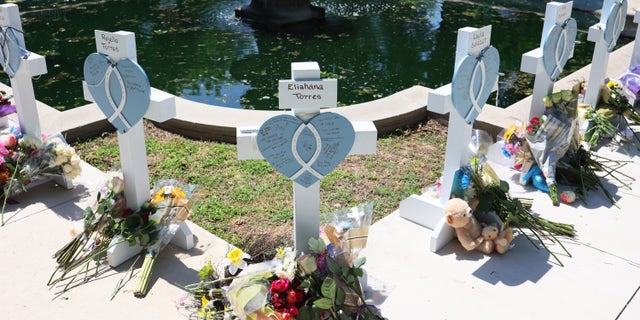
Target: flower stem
142, 284
7, 193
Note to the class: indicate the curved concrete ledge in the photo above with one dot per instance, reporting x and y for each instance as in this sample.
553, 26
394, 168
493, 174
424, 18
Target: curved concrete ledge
400, 110
201, 121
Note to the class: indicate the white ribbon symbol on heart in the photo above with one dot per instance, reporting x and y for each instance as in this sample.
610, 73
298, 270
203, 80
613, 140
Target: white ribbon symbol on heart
475, 96
559, 54
306, 165
117, 110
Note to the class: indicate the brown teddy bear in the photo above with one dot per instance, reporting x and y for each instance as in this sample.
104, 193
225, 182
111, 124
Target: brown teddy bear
501, 240
469, 231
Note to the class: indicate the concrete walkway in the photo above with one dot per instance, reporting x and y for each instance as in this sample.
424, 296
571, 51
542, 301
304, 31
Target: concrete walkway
600, 281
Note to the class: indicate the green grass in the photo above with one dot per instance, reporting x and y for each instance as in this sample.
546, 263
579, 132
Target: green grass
250, 205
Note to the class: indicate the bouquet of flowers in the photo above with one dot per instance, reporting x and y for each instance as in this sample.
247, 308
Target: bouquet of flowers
514, 143
171, 200
107, 219
322, 284
24, 159
550, 136
608, 119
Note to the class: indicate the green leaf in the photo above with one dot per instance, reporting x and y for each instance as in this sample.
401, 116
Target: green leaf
358, 272
340, 296
359, 262
328, 288
317, 245
308, 313
345, 272
305, 284
323, 303
333, 265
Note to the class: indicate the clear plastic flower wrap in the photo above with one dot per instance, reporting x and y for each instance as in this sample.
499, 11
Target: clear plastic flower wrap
346, 232
550, 136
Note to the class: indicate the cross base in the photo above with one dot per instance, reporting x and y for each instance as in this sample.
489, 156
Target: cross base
121, 252
428, 212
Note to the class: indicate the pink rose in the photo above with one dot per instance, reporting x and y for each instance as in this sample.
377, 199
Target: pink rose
9, 140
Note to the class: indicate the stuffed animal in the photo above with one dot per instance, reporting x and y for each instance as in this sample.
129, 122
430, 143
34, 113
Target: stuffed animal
501, 240
469, 231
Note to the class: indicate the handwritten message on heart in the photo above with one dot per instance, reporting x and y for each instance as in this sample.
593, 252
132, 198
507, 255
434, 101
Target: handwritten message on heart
305, 152
558, 47
121, 90
473, 81
10, 51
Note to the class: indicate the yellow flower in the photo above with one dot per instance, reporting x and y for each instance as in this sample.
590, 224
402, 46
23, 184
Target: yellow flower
205, 301
235, 260
513, 128
611, 84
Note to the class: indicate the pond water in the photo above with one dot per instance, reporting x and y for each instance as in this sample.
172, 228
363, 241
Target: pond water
198, 49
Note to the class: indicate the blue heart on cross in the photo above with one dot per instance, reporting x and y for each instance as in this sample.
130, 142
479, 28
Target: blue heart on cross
616, 18
121, 90
10, 51
473, 81
305, 152
558, 47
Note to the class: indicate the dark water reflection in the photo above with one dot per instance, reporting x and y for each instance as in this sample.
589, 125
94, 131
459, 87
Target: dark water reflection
198, 50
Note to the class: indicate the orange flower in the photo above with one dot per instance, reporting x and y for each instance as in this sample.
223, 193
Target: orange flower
176, 195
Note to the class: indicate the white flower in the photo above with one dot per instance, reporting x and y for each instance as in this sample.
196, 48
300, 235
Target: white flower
115, 182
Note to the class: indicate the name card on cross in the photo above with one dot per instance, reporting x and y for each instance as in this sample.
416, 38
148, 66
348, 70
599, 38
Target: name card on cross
307, 145
475, 76
308, 95
117, 45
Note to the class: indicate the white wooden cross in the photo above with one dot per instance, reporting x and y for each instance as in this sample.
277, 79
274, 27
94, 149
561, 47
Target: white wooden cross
306, 93
547, 61
133, 155
635, 57
21, 66
471, 44
605, 35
